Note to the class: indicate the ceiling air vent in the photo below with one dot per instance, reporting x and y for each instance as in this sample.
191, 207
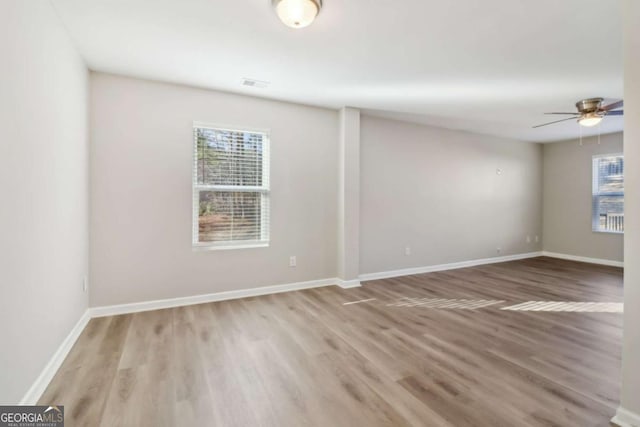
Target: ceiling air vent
254, 83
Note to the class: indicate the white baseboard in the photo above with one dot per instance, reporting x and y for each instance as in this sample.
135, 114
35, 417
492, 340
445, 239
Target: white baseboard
47, 374
600, 261
113, 310
347, 284
625, 418
449, 266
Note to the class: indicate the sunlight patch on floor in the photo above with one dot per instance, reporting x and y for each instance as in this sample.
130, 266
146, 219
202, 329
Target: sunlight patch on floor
359, 301
592, 307
464, 304
472, 304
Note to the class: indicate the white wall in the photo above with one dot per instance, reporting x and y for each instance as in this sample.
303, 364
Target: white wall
141, 192
44, 177
437, 191
629, 412
567, 199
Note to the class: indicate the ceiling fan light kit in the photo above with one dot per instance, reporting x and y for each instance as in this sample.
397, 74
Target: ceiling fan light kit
590, 119
590, 112
297, 13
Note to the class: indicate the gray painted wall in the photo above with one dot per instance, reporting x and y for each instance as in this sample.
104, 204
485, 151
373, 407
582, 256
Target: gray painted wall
437, 191
44, 176
141, 193
567, 199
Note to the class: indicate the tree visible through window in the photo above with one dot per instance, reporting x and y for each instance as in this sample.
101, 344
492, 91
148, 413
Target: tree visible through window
608, 193
231, 187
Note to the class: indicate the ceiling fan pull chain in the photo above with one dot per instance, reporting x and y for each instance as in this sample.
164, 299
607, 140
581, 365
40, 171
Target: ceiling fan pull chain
580, 135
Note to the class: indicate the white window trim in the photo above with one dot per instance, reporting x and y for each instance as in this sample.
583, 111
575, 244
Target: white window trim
594, 229
264, 226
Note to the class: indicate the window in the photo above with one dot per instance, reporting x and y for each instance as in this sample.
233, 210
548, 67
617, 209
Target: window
230, 188
608, 193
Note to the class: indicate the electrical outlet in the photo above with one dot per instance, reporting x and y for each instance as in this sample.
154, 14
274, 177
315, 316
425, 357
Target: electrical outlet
498, 171
292, 261
85, 284
407, 251
498, 249
537, 238
528, 239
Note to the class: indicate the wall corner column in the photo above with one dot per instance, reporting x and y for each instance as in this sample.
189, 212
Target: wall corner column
349, 198
629, 412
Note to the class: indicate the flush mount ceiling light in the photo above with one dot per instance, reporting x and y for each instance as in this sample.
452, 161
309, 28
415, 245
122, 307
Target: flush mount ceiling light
297, 13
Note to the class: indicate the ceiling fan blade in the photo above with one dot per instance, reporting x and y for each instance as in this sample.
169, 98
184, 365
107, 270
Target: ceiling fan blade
573, 114
613, 106
615, 113
557, 121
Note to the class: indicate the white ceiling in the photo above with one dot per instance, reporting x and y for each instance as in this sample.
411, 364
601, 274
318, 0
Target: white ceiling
489, 66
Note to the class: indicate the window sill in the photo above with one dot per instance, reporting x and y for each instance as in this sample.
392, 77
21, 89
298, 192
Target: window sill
226, 247
608, 232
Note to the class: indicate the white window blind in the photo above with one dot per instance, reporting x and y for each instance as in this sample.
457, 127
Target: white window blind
230, 187
608, 193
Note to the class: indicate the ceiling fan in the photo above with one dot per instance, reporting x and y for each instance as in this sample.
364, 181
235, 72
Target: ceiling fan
590, 112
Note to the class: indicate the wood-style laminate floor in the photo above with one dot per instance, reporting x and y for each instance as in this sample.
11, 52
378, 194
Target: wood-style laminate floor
405, 358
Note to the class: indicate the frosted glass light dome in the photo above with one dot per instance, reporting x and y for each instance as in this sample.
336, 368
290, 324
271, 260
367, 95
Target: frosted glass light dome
590, 119
297, 13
